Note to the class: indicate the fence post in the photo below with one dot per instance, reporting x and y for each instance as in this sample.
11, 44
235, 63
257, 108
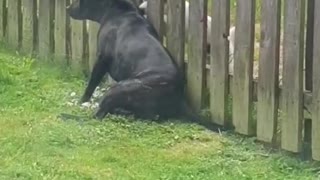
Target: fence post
292, 91
60, 30
14, 23
268, 86
197, 53
3, 18
219, 66
92, 39
45, 32
316, 86
243, 68
29, 12
155, 12
77, 44
176, 30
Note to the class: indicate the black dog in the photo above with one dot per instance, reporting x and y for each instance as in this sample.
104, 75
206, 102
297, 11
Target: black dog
149, 82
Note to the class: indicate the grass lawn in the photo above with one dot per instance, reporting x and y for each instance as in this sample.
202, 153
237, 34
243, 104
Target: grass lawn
34, 144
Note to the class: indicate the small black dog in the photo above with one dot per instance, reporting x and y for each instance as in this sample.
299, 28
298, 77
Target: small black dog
149, 83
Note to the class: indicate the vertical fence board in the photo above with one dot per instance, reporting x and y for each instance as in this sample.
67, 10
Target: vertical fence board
3, 19
196, 73
29, 10
308, 76
14, 23
45, 28
93, 37
316, 86
243, 67
77, 44
176, 30
292, 91
60, 29
155, 12
269, 70
219, 61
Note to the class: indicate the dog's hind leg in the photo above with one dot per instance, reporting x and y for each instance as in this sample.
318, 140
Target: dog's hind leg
99, 70
143, 99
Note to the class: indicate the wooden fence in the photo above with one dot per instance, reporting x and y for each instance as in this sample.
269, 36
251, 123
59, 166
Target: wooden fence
286, 113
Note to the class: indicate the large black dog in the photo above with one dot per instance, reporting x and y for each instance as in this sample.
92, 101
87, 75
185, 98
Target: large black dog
149, 82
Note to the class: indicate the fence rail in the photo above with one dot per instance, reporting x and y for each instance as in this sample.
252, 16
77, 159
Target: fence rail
269, 76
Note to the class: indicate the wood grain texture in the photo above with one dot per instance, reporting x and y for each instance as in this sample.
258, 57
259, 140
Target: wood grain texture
292, 89
93, 37
60, 30
77, 44
219, 61
3, 19
46, 8
197, 53
14, 23
243, 68
29, 18
176, 30
316, 87
268, 85
155, 13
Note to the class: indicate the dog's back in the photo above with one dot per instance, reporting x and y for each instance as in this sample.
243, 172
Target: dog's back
135, 48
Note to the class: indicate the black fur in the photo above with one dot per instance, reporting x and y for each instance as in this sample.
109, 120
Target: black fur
149, 83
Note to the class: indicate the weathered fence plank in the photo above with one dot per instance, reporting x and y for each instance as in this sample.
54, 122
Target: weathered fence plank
45, 32
176, 30
219, 61
292, 102
60, 29
14, 23
93, 37
197, 53
268, 86
2, 9
316, 86
308, 75
77, 44
243, 68
155, 13
29, 12
3, 18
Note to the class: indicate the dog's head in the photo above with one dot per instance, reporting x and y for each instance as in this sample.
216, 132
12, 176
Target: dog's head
95, 9
84, 9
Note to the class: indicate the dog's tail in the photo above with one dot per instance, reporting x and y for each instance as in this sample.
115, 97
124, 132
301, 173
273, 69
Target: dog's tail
65, 117
194, 117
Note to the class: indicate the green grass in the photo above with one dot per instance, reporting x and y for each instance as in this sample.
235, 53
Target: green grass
36, 145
